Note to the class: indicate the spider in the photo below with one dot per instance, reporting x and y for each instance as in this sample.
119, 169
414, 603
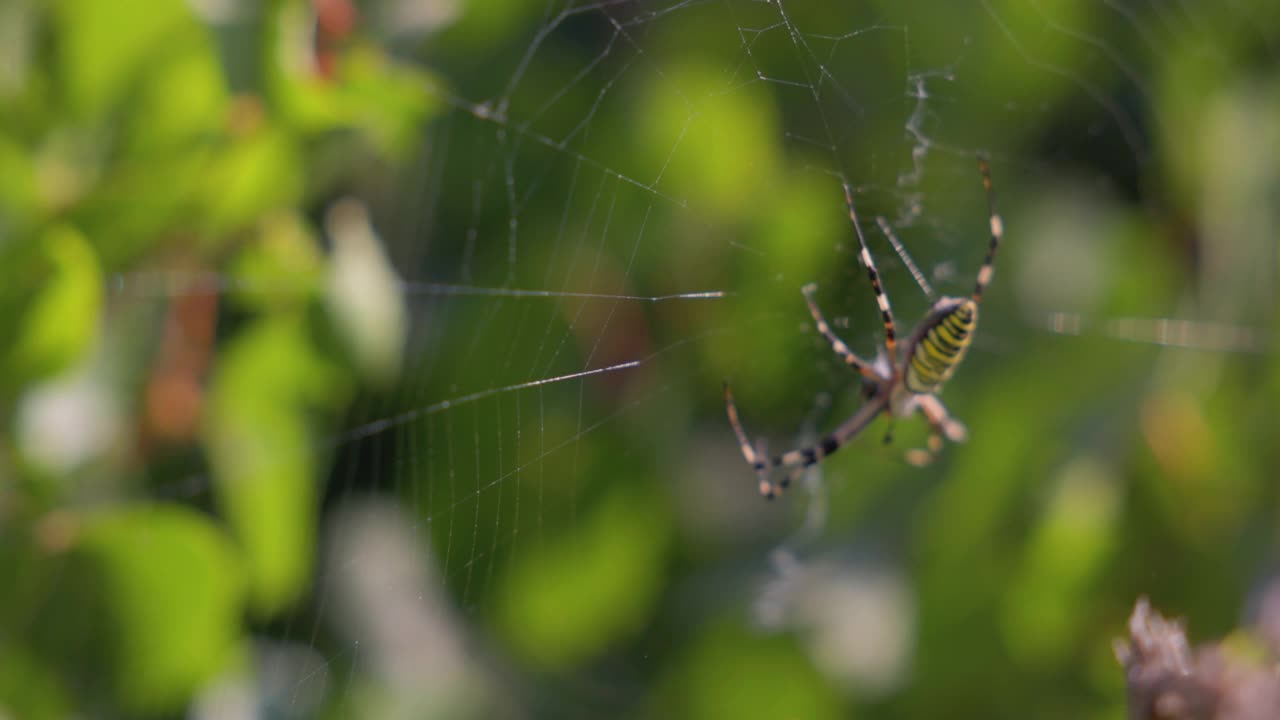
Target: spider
897, 384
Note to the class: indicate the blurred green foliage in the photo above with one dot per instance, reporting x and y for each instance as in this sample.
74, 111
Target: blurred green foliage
205, 219
127, 146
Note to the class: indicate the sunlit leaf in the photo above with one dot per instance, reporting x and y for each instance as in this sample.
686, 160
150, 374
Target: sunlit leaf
1072, 543
264, 451
103, 46
723, 154
282, 270
173, 587
183, 99
259, 173
388, 101
306, 100
732, 672
569, 598
19, 191
62, 321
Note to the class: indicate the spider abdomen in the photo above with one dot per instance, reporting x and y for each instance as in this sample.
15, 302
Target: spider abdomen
941, 346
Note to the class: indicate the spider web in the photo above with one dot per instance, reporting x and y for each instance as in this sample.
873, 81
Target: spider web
614, 212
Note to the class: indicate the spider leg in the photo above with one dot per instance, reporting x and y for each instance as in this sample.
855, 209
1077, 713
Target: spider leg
898, 247
941, 425
768, 488
840, 347
792, 475
922, 457
888, 432
755, 455
800, 458
997, 233
886, 313
831, 442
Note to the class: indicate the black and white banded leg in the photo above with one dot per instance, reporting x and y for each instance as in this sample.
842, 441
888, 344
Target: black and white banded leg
882, 300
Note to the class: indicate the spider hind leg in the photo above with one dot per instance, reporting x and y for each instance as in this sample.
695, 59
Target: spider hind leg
941, 426
756, 454
796, 461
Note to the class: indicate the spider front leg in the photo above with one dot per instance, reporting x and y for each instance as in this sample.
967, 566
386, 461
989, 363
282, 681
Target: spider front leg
873, 275
838, 345
941, 425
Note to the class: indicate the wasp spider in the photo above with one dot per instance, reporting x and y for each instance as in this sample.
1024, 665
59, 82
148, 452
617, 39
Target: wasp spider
897, 383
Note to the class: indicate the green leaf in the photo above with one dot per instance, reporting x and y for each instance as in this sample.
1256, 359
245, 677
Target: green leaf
726, 156
282, 270
371, 92
182, 99
388, 101
575, 595
102, 46
260, 173
172, 586
1062, 563
62, 321
732, 672
19, 191
30, 689
263, 451
305, 101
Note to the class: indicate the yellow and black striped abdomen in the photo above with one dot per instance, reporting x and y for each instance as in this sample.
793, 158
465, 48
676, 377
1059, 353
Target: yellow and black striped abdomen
941, 347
